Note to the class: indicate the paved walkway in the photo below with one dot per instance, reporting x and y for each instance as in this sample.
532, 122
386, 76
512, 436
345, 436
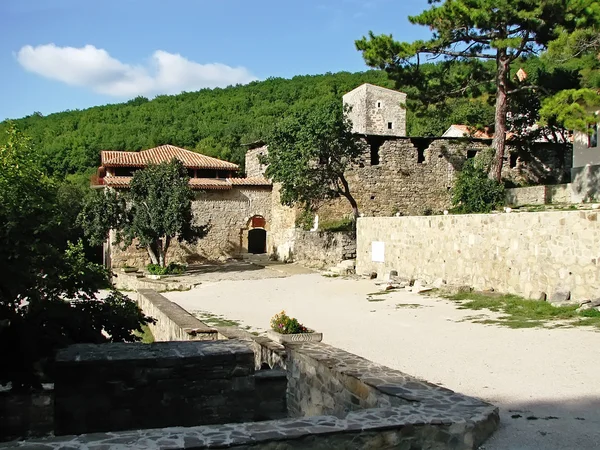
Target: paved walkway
546, 382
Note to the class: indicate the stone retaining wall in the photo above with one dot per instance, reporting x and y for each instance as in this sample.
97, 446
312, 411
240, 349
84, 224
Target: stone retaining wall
323, 248
26, 414
519, 253
119, 386
173, 323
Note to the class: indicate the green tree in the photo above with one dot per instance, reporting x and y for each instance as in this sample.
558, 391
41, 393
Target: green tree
579, 54
48, 288
156, 210
309, 153
473, 190
473, 31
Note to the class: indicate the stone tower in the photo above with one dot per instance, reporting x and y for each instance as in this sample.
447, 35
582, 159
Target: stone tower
377, 111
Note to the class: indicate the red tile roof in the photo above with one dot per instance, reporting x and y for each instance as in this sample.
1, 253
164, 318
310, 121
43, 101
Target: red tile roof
163, 153
197, 183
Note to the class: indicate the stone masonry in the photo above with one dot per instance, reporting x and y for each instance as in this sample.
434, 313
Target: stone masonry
517, 253
112, 387
375, 110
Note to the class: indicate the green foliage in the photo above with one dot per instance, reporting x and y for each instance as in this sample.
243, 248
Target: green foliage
212, 121
156, 209
337, 225
466, 34
518, 312
171, 269
309, 153
305, 220
474, 191
284, 324
48, 287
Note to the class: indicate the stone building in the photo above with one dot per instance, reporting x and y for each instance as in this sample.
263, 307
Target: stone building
396, 174
376, 111
237, 209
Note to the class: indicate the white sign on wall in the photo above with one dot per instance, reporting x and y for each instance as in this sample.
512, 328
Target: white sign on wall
378, 251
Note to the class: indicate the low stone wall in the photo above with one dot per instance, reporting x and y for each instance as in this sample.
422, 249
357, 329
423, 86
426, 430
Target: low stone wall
519, 253
118, 386
26, 414
133, 281
402, 412
173, 323
540, 195
323, 248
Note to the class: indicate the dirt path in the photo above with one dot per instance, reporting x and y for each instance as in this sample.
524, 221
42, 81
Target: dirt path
544, 381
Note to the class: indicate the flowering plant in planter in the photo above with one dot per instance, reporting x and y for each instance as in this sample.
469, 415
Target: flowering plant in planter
284, 324
287, 329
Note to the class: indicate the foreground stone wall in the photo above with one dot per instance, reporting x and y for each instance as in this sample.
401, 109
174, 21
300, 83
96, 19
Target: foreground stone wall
323, 248
113, 387
228, 213
415, 175
520, 253
26, 414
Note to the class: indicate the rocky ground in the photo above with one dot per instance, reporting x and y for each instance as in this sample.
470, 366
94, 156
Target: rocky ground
543, 380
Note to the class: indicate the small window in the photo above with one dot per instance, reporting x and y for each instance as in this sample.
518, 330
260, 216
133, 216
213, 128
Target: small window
420, 155
593, 136
471, 154
390, 125
513, 160
379, 104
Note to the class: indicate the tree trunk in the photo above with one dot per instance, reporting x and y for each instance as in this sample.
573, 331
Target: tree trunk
161, 253
499, 142
152, 253
346, 193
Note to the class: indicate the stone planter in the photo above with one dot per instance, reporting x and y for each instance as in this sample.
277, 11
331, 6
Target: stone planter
129, 269
291, 338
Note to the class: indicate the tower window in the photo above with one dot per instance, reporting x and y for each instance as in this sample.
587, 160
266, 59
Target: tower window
420, 155
513, 160
379, 104
471, 154
390, 125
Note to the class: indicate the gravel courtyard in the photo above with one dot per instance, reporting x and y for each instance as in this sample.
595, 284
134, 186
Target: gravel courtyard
546, 382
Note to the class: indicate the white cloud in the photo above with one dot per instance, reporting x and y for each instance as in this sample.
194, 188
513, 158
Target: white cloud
94, 68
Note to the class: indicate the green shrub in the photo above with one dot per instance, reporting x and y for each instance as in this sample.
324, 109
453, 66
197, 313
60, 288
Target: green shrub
305, 220
337, 225
284, 324
474, 191
171, 269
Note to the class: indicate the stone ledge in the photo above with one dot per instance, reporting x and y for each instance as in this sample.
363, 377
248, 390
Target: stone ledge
457, 429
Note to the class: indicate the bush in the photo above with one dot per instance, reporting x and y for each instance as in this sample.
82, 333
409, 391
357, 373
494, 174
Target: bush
337, 225
284, 324
474, 191
305, 220
171, 269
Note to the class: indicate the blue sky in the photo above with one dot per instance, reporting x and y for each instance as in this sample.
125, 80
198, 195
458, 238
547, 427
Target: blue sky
73, 54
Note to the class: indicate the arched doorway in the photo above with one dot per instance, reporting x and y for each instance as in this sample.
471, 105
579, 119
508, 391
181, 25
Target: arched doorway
257, 240
254, 236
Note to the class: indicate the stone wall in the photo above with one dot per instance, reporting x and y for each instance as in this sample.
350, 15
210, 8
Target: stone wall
540, 195
253, 165
227, 211
373, 108
411, 176
173, 323
519, 253
26, 414
114, 387
323, 248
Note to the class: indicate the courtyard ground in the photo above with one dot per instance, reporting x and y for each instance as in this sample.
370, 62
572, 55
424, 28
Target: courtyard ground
545, 381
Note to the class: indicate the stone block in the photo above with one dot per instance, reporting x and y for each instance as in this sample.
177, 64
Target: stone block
561, 296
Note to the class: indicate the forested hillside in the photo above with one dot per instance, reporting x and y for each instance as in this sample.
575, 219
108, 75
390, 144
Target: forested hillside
217, 122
